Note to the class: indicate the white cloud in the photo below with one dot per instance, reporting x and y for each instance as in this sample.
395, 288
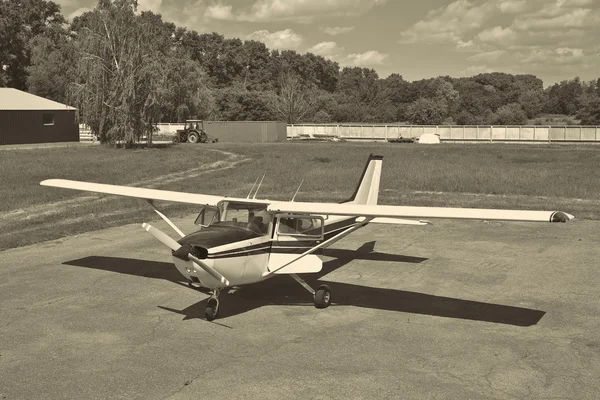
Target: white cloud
368, 58
488, 56
476, 69
577, 18
299, 11
514, 6
497, 34
149, 5
285, 39
532, 36
219, 11
450, 24
326, 49
556, 56
337, 30
78, 12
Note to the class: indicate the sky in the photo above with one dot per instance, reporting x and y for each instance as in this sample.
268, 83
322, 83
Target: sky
552, 39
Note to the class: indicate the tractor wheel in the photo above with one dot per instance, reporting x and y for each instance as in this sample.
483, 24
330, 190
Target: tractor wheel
175, 139
193, 137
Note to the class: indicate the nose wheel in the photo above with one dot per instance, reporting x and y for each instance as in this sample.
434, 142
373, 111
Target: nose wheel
212, 306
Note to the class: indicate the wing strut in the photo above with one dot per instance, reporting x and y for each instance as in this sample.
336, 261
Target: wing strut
326, 243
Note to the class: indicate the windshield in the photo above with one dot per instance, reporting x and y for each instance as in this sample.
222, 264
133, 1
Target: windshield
245, 215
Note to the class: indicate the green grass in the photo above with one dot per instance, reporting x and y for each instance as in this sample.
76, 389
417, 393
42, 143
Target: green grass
464, 175
22, 170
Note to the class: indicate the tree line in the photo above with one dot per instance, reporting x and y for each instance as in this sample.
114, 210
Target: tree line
125, 71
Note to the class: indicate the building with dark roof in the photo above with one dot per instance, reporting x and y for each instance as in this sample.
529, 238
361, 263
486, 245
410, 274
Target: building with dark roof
26, 118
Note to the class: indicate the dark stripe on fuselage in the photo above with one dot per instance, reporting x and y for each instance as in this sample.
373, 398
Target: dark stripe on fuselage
284, 247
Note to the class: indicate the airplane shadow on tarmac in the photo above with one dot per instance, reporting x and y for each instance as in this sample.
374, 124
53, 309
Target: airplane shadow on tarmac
281, 290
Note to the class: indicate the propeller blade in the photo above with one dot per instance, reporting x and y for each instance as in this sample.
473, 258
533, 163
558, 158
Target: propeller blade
167, 220
161, 237
208, 269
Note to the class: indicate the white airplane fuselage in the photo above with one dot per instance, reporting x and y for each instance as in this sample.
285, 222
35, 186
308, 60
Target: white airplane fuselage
246, 261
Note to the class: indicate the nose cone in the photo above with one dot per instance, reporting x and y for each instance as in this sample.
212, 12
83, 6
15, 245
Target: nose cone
187, 248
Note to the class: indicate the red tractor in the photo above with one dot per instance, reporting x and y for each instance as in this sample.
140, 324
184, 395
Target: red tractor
193, 132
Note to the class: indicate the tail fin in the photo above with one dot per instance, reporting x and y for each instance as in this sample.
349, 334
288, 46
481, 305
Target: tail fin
367, 191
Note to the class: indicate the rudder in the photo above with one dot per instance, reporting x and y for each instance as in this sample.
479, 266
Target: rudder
367, 190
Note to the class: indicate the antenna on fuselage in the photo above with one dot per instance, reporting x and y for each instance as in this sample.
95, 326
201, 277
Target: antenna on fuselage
261, 181
297, 190
252, 188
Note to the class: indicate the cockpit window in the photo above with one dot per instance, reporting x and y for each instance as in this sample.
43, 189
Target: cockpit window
245, 215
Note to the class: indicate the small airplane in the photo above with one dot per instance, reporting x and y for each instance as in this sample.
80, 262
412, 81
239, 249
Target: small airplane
248, 240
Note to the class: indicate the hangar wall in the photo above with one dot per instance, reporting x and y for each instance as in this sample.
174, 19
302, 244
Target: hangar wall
35, 126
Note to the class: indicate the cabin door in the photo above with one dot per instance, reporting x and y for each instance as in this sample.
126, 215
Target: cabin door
292, 236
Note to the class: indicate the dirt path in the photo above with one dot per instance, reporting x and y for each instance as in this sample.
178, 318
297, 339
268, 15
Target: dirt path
42, 217
231, 160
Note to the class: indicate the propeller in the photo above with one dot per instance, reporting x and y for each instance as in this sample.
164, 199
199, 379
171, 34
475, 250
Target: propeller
173, 245
167, 220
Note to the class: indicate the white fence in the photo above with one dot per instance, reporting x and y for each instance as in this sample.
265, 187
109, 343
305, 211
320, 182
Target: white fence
527, 133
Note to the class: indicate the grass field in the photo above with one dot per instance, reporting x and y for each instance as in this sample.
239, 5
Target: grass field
467, 175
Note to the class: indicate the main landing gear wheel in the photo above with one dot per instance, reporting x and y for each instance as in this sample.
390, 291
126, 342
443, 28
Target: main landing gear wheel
323, 296
212, 309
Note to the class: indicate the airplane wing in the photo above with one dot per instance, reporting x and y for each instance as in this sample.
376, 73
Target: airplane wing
136, 192
382, 211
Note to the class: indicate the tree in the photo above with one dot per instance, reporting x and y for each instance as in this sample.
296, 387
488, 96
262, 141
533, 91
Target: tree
185, 91
52, 66
511, 114
20, 22
396, 89
358, 83
119, 73
533, 102
294, 100
238, 104
589, 113
321, 117
563, 97
426, 112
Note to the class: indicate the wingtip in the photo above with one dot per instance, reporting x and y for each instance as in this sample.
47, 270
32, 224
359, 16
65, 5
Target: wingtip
559, 216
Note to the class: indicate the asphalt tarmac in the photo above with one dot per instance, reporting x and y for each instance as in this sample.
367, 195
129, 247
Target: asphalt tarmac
456, 310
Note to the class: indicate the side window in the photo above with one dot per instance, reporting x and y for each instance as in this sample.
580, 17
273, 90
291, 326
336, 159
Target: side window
301, 226
48, 119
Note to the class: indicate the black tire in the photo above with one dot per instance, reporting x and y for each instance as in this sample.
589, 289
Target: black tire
323, 297
175, 139
193, 137
211, 310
